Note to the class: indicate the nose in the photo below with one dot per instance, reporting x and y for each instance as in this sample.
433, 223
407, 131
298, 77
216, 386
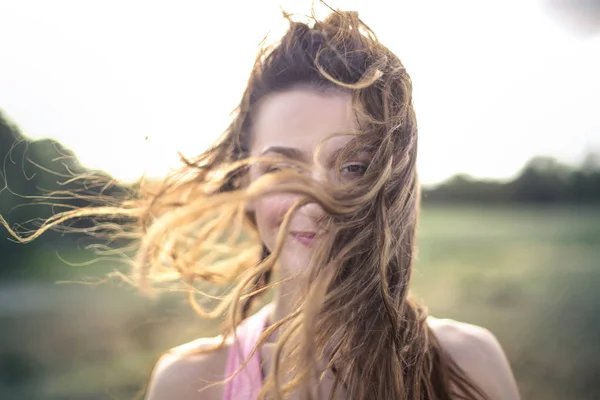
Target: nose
313, 211
319, 174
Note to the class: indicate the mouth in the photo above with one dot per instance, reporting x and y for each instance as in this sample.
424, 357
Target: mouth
306, 238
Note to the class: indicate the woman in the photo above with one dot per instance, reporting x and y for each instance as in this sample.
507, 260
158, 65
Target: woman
332, 107
314, 183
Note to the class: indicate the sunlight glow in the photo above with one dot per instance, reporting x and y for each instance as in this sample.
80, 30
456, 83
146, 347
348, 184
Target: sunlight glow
127, 85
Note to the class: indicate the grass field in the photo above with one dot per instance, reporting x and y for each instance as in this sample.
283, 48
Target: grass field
530, 275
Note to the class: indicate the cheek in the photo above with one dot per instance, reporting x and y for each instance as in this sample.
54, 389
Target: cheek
270, 211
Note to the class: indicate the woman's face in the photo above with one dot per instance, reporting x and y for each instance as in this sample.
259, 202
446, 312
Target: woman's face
293, 123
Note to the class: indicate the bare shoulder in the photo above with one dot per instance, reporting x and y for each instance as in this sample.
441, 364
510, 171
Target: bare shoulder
477, 351
184, 370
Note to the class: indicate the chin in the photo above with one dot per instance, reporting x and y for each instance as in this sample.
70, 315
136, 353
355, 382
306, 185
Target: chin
295, 261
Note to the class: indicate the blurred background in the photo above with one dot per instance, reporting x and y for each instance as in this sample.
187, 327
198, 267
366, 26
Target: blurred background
508, 102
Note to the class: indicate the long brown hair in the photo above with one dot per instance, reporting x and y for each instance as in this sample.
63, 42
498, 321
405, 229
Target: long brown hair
355, 311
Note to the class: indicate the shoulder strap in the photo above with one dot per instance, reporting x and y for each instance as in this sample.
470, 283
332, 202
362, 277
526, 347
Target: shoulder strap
247, 383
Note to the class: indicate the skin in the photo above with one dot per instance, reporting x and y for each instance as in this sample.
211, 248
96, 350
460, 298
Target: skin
300, 118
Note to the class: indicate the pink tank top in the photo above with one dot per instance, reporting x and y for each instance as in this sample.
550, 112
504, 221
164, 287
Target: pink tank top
247, 383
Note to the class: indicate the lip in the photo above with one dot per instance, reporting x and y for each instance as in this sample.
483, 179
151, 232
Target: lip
306, 238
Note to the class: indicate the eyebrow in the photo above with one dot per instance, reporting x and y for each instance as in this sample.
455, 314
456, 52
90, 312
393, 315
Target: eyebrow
289, 152
297, 154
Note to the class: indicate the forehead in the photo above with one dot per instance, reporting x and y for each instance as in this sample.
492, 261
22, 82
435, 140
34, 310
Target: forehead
301, 118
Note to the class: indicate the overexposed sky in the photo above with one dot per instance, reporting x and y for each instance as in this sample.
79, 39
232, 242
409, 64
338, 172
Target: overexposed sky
493, 84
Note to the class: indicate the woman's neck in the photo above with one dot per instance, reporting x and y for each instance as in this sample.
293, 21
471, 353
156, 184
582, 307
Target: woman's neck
282, 307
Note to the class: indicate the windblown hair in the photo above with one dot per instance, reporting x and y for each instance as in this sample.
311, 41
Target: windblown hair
355, 310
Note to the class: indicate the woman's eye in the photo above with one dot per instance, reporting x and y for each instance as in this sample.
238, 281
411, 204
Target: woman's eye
277, 168
354, 169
